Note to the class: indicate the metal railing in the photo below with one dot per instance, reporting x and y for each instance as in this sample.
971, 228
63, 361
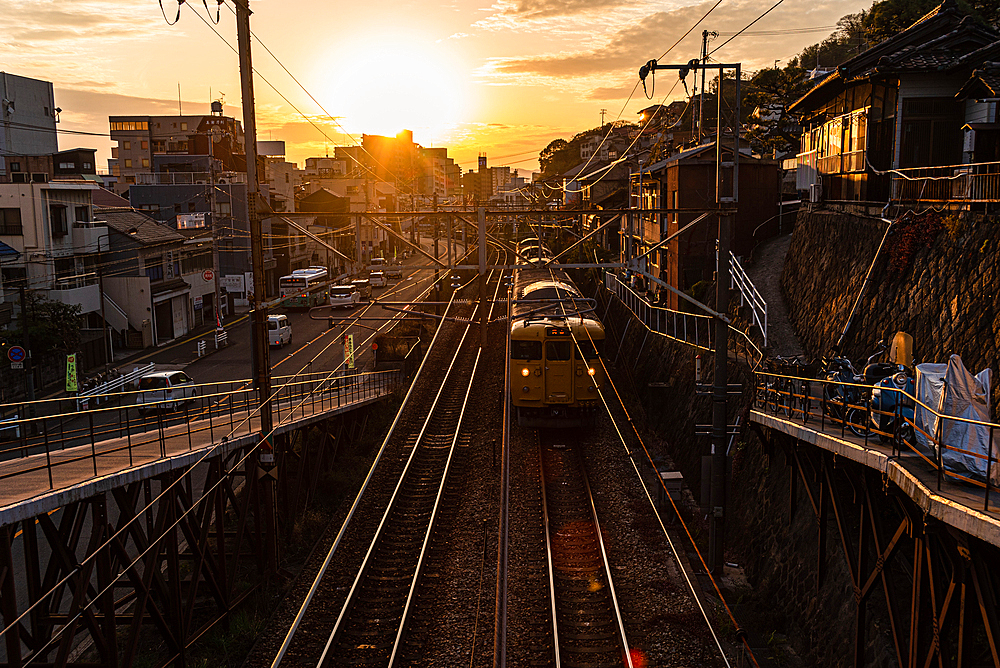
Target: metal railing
691, 328
830, 404
748, 294
156, 429
975, 182
108, 387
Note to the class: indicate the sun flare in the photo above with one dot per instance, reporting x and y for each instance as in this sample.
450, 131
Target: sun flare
391, 82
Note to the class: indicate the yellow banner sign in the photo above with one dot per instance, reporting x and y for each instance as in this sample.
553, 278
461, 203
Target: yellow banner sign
71, 384
349, 350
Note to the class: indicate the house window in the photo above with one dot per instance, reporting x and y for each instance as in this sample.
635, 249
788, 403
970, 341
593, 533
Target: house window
10, 222
39, 177
128, 162
145, 162
145, 146
931, 132
57, 220
66, 165
191, 207
88, 165
184, 126
83, 214
225, 208
127, 145
15, 166
154, 268
159, 146
19, 177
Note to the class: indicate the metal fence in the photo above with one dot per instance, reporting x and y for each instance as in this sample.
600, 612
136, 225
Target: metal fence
691, 328
52, 433
977, 182
828, 405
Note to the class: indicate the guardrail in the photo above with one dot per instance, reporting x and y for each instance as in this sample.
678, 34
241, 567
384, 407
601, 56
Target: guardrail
691, 328
122, 425
748, 294
975, 182
801, 399
84, 398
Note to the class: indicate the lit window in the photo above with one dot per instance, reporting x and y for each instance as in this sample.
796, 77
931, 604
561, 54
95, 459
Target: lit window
145, 162
184, 126
145, 145
128, 162
127, 145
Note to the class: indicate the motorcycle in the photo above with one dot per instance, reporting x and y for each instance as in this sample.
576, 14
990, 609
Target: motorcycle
892, 407
849, 403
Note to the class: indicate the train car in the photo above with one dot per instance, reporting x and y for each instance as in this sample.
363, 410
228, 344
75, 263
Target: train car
555, 345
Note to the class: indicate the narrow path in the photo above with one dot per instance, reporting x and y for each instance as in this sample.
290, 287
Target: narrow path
765, 272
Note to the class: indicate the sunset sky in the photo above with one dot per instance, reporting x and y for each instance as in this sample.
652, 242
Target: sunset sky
504, 79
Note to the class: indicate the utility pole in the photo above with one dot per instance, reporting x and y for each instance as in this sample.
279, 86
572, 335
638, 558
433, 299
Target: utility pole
261, 352
483, 315
701, 98
437, 272
215, 231
720, 389
603, 111
29, 373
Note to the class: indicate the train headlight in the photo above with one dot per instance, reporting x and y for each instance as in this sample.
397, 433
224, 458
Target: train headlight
591, 371
899, 380
526, 389
525, 371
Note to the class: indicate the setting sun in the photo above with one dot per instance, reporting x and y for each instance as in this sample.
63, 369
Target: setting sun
391, 82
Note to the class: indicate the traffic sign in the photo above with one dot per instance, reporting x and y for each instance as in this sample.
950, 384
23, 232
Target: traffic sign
16, 354
17, 365
208, 275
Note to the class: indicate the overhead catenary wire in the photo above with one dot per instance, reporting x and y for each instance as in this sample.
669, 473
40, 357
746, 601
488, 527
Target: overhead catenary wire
740, 32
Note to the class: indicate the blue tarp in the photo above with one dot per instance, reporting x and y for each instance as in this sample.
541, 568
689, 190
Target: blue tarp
7, 251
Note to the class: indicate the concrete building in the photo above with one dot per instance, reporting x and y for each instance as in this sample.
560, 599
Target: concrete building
28, 116
142, 138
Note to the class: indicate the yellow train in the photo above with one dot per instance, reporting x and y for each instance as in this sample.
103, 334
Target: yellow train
555, 343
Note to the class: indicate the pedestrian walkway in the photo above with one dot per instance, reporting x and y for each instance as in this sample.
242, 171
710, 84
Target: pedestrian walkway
45, 481
765, 272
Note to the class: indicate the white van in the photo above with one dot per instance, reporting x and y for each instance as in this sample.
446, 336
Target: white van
279, 330
377, 264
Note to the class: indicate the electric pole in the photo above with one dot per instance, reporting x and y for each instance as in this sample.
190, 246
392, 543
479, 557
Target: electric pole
215, 231
261, 353
603, 111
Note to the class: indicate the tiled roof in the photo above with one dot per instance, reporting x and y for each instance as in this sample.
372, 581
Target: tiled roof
138, 226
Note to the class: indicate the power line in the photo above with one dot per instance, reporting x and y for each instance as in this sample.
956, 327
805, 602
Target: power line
773, 7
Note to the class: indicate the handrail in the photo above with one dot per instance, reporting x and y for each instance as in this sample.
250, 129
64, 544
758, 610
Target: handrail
782, 388
749, 293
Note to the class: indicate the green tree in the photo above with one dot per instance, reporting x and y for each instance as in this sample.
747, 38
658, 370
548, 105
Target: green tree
552, 156
53, 327
769, 92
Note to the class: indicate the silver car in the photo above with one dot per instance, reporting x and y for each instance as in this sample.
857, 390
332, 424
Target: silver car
165, 389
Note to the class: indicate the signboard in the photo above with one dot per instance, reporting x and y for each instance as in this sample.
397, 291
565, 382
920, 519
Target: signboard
191, 221
233, 283
207, 275
16, 354
17, 365
71, 385
349, 350
198, 301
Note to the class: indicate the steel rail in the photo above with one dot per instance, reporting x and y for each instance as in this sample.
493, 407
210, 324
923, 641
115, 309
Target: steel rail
392, 500
626, 654
354, 506
548, 554
437, 504
500, 626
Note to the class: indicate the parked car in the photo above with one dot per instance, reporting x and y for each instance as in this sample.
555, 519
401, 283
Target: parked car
344, 296
279, 330
394, 271
377, 279
364, 288
173, 387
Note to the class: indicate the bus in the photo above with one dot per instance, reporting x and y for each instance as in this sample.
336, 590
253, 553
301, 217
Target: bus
304, 288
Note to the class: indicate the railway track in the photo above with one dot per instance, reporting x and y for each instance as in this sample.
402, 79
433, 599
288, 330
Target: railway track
588, 629
376, 606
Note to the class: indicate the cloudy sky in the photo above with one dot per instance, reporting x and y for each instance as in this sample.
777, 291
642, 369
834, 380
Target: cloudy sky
502, 79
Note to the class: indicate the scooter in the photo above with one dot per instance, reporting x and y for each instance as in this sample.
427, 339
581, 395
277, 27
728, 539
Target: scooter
849, 402
892, 411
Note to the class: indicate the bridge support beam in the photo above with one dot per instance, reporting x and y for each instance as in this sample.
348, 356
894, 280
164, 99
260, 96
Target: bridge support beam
938, 587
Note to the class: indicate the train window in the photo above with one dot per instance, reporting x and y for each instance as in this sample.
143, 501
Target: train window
526, 350
591, 349
558, 351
